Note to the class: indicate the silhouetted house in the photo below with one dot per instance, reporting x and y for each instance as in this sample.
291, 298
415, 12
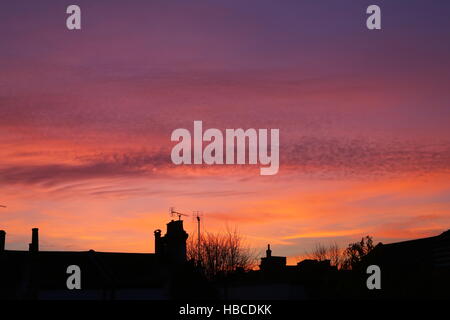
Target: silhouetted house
274, 281
414, 268
36, 274
271, 263
320, 278
310, 265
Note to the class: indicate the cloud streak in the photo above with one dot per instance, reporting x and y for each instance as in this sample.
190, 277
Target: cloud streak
320, 157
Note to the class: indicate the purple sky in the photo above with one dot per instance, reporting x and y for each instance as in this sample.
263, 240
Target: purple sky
86, 117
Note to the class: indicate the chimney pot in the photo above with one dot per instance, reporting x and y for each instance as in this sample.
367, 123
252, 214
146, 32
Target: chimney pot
34, 245
2, 240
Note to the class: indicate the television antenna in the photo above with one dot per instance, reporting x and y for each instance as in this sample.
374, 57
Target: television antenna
173, 213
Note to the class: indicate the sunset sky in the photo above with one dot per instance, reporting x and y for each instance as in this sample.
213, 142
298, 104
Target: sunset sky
86, 118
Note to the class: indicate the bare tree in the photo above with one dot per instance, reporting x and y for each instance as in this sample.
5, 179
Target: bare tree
221, 253
335, 255
342, 259
319, 252
322, 252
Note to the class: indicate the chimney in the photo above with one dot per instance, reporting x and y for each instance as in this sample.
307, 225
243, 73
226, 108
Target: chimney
175, 242
158, 243
2, 240
34, 245
268, 251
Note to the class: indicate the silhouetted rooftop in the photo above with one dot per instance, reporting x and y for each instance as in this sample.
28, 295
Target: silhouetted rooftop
425, 252
99, 269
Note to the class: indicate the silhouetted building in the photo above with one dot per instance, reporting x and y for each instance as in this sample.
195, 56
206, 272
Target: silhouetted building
272, 263
414, 268
36, 274
273, 281
310, 265
429, 253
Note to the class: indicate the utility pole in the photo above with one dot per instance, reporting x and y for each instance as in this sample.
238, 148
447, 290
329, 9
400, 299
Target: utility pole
197, 215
